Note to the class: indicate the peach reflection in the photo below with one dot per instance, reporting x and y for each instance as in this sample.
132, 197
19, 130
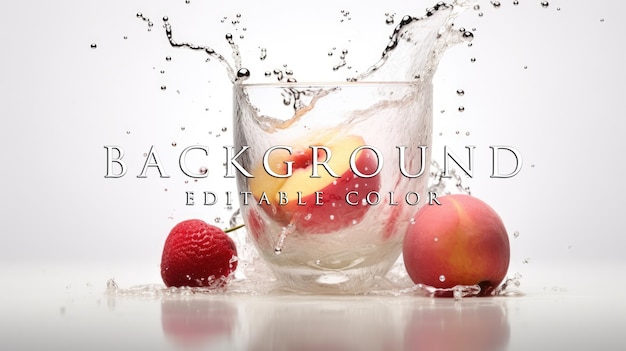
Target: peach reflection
479, 324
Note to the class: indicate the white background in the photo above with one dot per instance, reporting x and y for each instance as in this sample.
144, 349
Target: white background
547, 82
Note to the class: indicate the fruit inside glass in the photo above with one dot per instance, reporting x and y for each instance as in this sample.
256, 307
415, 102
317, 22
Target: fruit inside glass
329, 176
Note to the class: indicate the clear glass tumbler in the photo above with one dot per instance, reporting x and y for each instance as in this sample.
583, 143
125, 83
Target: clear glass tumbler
329, 176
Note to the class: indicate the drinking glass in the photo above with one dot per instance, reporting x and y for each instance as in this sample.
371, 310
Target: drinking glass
329, 176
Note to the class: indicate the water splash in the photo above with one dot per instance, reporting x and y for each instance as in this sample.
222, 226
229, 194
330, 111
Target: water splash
233, 74
510, 286
424, 40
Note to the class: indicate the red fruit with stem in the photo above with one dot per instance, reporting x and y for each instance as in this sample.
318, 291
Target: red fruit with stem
197, 254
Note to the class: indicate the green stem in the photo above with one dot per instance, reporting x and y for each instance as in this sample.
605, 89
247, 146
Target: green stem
234, 228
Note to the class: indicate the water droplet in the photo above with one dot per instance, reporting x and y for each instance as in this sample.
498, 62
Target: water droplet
331, 217
526, 260
461, 108
545, 4
495, 4
516, 234
94, 45
460, 92
224, 129
515, 2
480, 14
473, 59
318, 262
187, 1
263, 54
243, 73
168, 58
278, 250
308, 216
436, 239
174, 143
182, 128
163, 87
111, 285
203, 170
476, 7
127, 132
468, 34
442, 278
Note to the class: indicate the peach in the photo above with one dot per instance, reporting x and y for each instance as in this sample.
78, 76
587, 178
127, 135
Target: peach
318, 204
460, 242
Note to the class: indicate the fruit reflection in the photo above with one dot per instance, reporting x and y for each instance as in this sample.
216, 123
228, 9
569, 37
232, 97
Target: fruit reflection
468, 325
192, 322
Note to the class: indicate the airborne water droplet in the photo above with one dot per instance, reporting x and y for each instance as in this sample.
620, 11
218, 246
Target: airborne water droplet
545, 4
243, 74
461, 108
442, 278
94, 45
460, 92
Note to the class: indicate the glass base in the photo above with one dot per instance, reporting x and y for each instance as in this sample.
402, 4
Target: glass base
319, 281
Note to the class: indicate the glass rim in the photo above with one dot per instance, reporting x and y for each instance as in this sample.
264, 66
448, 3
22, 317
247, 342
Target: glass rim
328, 84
